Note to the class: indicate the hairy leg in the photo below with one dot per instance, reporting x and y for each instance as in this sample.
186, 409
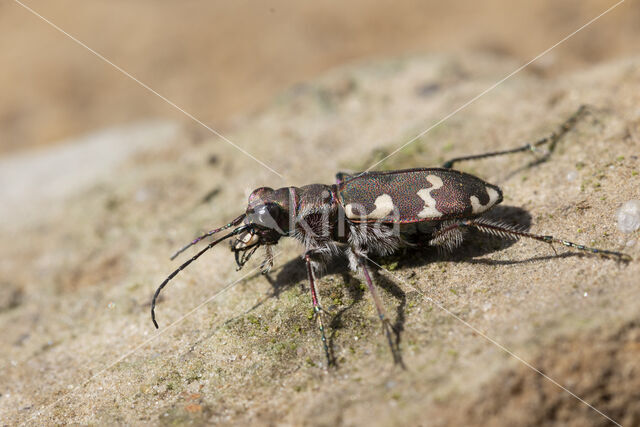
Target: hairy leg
511, 232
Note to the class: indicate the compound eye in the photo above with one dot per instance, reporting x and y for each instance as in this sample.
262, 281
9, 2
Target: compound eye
262, 215
266, 216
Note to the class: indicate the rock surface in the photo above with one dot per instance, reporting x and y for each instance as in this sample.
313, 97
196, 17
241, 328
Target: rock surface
238, 347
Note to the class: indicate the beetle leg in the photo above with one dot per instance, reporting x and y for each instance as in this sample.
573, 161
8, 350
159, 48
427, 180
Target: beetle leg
551, 139
317, 310
267, 263
386, 326
507, 231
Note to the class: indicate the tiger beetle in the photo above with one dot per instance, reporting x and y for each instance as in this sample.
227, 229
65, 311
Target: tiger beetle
369, 213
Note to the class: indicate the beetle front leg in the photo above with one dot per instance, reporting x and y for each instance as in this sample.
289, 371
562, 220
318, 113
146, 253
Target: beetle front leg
551, 139
317, 310
386, 326
267, 264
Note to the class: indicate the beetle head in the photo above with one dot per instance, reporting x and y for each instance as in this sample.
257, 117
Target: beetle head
267, 218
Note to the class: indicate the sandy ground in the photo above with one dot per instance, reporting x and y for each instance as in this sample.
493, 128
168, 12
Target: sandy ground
238, 347
218, 59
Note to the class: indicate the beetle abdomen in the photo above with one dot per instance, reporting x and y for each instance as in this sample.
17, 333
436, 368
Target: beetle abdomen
415, 195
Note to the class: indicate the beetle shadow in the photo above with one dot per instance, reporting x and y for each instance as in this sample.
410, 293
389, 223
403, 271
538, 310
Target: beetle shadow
398, 326
356, 293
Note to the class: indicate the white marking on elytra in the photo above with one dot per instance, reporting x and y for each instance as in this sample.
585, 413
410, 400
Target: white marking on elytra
429, 210
477, 207
384, 206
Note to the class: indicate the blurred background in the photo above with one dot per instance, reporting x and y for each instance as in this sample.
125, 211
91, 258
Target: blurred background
218, 59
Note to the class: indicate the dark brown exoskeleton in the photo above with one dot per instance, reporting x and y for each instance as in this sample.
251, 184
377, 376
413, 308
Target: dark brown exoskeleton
365, 214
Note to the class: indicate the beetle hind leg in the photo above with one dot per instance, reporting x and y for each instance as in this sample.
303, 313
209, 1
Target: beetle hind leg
533, 147
510, 232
